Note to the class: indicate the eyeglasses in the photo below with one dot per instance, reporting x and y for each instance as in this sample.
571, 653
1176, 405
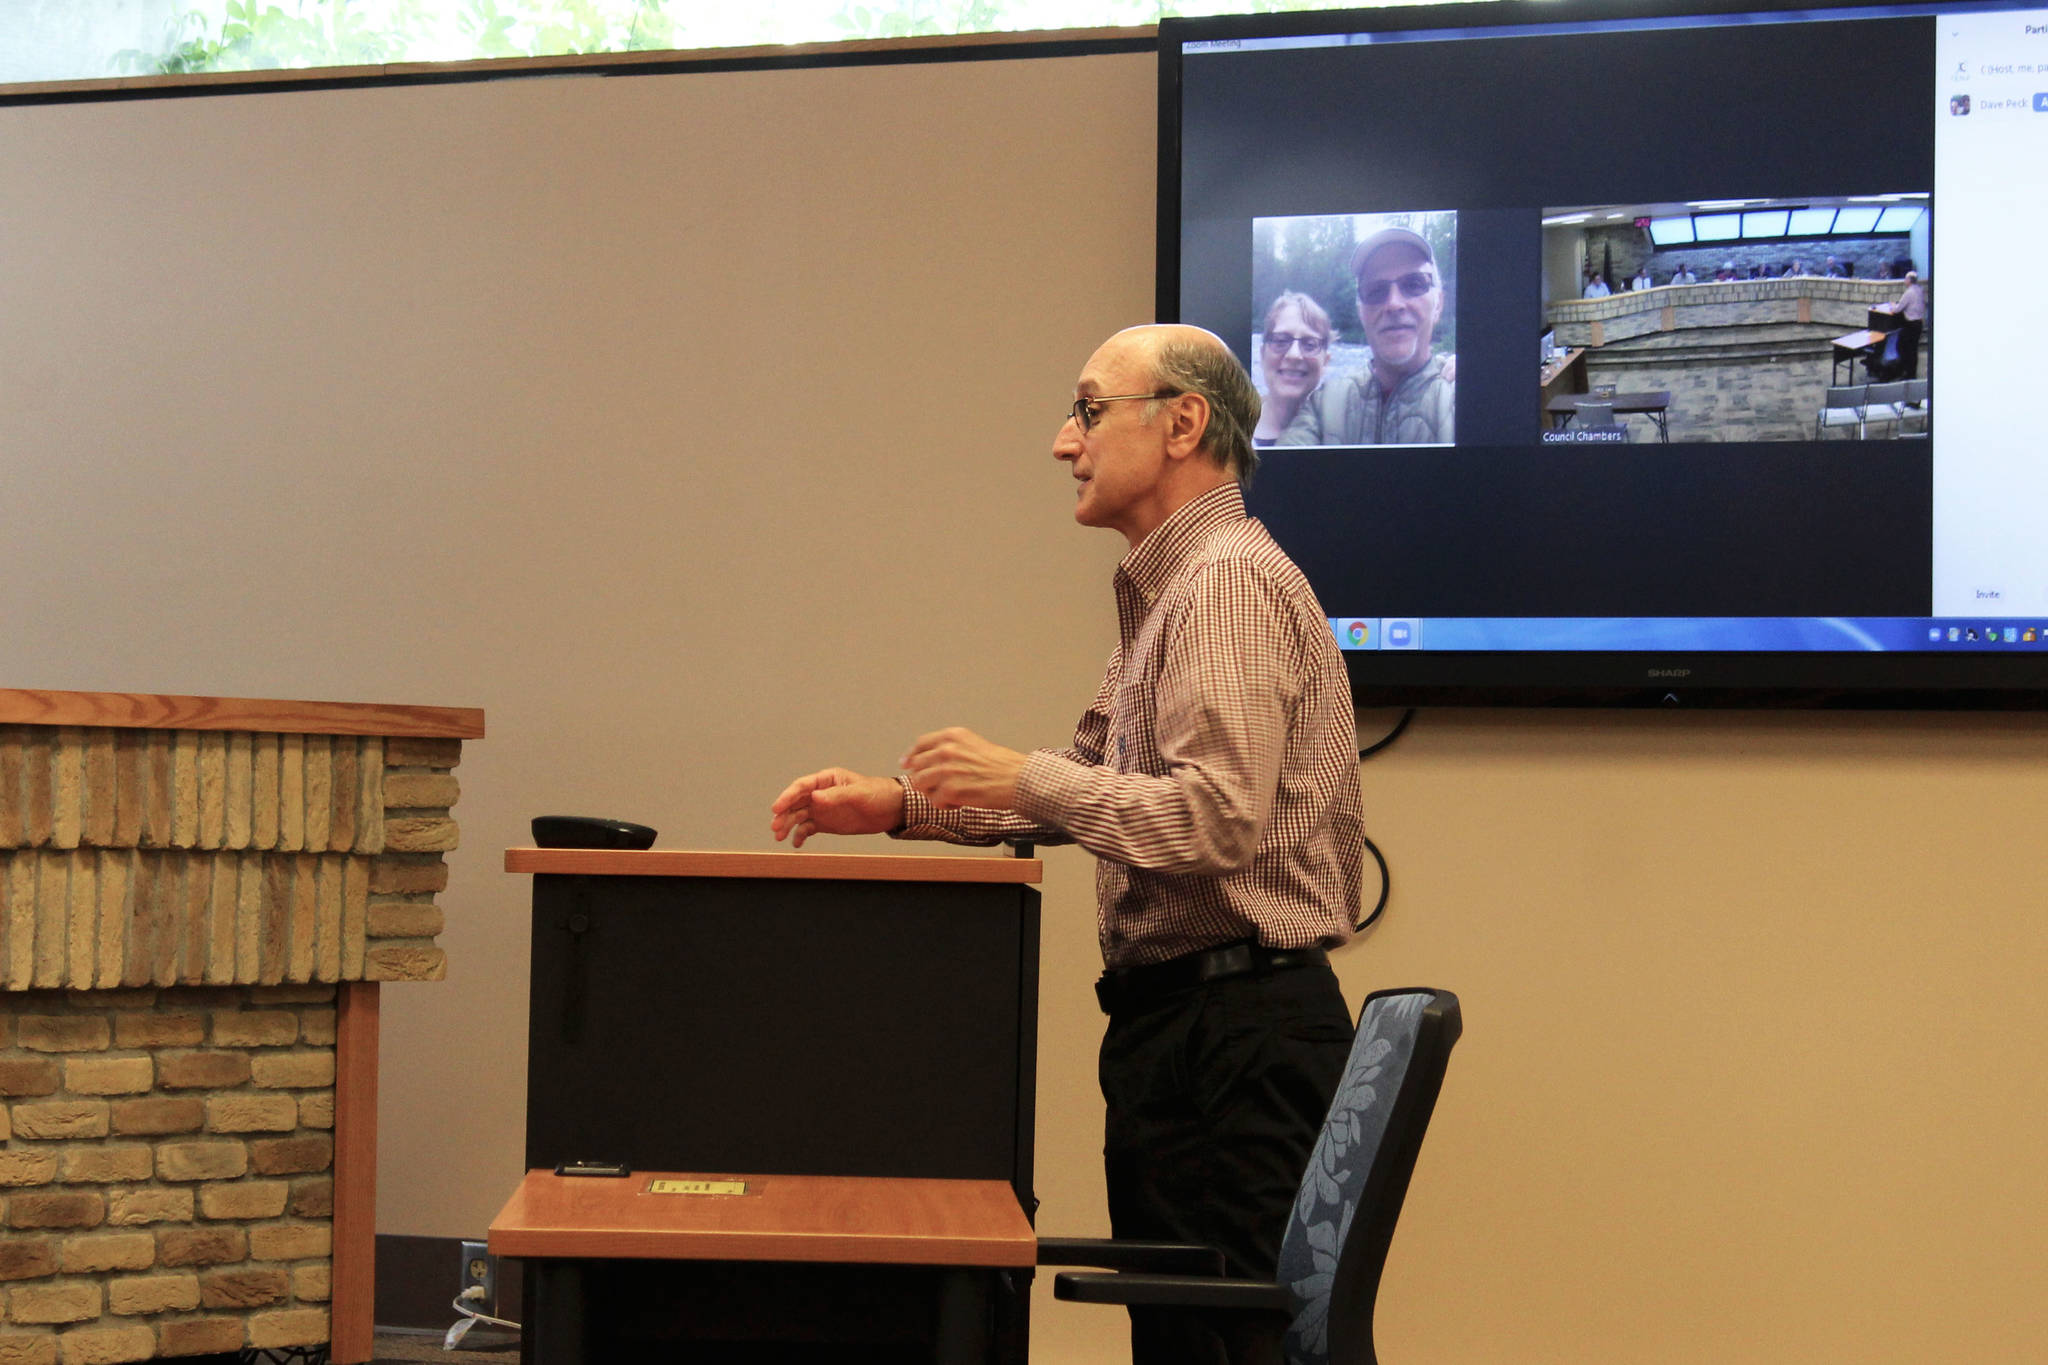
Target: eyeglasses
1083, 414
1280, 343
1413, 285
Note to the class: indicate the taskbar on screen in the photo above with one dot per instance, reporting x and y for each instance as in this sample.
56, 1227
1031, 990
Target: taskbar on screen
1703, 634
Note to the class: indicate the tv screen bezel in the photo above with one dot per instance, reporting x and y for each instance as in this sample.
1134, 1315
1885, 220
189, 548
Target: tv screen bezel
1897, 679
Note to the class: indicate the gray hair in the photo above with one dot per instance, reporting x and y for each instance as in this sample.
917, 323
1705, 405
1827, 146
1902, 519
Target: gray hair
1210, 370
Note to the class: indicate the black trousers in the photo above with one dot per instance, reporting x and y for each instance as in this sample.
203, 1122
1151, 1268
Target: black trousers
1216, 1095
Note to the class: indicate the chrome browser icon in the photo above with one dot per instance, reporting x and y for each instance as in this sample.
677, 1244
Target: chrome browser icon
1355, 632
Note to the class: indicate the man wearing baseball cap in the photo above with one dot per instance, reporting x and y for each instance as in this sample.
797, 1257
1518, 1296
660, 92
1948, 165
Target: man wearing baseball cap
1406, 396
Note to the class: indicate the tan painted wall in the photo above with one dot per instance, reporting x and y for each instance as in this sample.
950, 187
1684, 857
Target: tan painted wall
697, 428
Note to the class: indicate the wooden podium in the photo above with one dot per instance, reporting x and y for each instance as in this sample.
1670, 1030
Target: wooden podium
782, 1014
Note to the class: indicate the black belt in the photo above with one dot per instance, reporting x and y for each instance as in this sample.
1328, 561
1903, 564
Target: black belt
1122, 990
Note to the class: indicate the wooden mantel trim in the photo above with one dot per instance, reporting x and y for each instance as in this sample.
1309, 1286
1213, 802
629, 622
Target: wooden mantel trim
351, 1324
852, 867
153, 711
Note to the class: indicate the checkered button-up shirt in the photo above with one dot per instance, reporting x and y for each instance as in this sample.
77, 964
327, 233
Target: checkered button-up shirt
1215, 775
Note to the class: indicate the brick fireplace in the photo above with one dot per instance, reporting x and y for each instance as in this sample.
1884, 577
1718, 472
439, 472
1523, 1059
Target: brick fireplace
199, 899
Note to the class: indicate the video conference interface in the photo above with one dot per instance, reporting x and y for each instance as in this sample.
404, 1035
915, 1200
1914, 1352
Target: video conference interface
1639, 320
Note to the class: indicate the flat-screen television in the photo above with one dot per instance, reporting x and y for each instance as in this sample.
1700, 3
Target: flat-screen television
1786, 442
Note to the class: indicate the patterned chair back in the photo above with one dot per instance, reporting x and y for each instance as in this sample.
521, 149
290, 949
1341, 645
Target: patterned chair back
1336, 1242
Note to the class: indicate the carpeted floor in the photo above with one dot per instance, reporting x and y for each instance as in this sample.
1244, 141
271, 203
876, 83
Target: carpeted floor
480, 1347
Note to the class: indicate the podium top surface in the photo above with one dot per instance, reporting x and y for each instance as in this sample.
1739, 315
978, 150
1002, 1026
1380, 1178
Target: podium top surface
809, 1218
677, 862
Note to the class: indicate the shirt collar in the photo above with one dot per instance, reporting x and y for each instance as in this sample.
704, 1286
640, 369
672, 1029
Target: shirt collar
1429, 370
1159, 556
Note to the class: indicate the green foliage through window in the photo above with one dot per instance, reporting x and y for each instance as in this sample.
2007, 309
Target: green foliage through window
180, 37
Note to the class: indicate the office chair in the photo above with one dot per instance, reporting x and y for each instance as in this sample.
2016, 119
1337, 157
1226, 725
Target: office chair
1591, 415
1344, 1214
1842, 407
1914, 407
1885, 403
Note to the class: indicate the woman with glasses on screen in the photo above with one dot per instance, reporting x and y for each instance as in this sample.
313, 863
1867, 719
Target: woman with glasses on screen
1294, 349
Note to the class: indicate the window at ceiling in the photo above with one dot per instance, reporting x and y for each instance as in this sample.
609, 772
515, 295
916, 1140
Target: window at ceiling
90, 39
1773, 224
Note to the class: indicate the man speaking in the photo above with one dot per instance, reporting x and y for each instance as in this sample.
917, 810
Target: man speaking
1215, 779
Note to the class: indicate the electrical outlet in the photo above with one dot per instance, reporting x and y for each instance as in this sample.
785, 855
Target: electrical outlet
479, 1270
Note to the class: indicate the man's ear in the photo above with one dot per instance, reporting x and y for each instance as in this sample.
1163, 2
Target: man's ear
1188, 421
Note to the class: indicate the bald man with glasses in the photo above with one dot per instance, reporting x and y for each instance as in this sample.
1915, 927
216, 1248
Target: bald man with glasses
1215, 779
1408, 394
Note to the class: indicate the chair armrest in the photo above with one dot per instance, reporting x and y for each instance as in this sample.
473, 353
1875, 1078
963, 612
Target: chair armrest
1171, 1291
1182, 1258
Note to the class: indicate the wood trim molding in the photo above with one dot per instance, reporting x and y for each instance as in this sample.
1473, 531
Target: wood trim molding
156, 711
609, 63
854, 867
353, 1309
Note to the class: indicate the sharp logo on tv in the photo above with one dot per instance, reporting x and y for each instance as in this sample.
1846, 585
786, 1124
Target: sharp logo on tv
1671, 673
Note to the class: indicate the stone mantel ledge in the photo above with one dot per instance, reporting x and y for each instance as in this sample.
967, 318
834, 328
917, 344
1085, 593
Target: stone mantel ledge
152, 840
1856, 291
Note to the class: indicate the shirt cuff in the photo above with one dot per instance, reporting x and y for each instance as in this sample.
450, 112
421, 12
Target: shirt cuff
918, 814
1048, 787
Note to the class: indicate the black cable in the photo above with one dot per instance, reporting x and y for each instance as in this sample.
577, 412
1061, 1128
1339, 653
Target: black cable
1400, 726
1386, 884
1386, 877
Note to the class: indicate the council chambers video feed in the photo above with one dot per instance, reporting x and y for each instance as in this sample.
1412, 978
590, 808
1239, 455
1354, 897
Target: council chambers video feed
1354, 332
1737, 320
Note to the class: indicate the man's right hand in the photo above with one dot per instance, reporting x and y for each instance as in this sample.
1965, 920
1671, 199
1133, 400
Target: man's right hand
837, 801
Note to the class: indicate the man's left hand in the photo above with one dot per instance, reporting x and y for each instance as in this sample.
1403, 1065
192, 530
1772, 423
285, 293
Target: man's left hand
956, 767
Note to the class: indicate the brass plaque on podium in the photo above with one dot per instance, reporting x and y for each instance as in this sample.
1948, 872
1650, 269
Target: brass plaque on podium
696, 1187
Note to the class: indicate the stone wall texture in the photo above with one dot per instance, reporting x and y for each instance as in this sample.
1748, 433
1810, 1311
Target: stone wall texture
1747, 360
176, 908
132, 858
1843, 301
166, 1183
